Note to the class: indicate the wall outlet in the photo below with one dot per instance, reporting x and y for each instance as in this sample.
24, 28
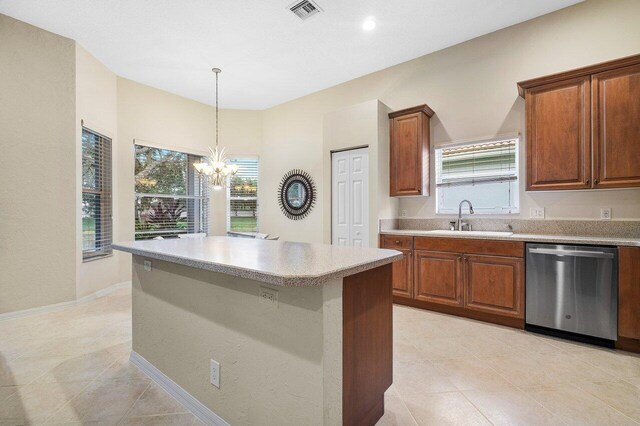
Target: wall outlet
536, 213
215, 373
403, 213
147, 265
605, 213
269, 296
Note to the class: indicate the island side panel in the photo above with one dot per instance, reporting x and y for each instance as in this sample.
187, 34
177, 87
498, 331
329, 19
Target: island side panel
274, 362
367, 345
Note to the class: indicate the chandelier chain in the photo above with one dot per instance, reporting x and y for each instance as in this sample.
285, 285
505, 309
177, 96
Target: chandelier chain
217, 108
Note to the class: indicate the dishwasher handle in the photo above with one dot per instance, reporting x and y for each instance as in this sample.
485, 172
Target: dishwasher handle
572, 253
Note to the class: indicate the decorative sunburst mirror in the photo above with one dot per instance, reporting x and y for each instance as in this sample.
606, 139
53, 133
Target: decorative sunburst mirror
296, 194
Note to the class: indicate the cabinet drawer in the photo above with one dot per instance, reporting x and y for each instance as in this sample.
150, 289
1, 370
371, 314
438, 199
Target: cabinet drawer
471, 246
400, 242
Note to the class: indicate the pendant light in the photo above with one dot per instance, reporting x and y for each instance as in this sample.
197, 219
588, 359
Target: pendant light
216, 165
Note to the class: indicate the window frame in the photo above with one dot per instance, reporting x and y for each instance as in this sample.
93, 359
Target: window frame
502, 211
105, 192
257, 198
189, 197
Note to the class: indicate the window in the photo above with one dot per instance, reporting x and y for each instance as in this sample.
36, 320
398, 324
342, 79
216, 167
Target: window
171, 197
97, 229
242, 197
483, 172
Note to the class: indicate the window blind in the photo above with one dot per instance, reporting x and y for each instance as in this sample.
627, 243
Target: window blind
486, 173
171, 198
242, 197
97, 227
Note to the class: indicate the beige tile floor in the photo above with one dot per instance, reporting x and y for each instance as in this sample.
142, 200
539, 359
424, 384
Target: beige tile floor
71, 367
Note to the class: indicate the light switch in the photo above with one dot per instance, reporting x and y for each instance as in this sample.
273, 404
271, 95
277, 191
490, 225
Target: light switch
147, 265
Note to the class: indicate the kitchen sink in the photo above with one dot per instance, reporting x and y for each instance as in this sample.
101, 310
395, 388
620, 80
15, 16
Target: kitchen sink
472, 233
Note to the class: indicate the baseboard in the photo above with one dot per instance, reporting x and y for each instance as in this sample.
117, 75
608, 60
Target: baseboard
172, 388
63, 305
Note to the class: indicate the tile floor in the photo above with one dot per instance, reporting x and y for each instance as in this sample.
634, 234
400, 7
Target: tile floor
71, 367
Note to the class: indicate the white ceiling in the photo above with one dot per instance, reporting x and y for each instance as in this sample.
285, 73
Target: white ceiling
267, 54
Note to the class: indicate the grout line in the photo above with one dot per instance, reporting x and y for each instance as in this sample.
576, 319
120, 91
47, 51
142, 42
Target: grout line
575, 385
124, 416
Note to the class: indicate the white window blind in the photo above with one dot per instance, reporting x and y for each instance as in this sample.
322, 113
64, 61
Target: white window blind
97, 228
171, 197
484, 172
242, 197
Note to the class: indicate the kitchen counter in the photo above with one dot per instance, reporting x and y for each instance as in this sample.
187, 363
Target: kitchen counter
533, 238
280, 263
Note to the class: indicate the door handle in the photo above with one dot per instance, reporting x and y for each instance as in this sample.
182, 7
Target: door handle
572, 253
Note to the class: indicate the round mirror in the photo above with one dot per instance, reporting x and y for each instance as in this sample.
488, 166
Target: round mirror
296, 194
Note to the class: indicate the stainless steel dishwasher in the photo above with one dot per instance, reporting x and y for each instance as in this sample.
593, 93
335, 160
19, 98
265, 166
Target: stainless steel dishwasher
573, 291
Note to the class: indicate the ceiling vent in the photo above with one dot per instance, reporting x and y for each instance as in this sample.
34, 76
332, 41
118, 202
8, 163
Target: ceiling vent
305, 9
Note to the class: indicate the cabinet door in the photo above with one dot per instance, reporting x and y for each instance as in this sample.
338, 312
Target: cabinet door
559, 135
494, 285
403, 275
438, 277
629, 292
616, 128
407, 159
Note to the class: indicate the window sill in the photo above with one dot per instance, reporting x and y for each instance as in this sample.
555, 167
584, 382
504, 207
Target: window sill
96, 257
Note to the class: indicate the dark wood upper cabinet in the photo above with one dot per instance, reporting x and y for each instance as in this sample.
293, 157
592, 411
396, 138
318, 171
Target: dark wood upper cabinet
582, 127
409, 156
616, 128
559, 135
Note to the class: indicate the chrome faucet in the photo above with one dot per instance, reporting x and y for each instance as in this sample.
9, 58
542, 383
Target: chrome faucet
461, 224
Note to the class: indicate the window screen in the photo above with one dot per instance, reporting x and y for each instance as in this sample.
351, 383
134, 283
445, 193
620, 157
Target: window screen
97, 229
242, 197
485, 173
171, 197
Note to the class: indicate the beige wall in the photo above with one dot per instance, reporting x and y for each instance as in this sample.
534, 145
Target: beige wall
37, 167
97, 107
278, 366
472, 88
158, 117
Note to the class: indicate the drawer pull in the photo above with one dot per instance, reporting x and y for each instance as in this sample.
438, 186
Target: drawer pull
397, 241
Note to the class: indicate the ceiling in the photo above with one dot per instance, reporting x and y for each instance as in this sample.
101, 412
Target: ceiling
267, 54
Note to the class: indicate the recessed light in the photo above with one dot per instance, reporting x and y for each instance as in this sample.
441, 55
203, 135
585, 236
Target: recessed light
368, 24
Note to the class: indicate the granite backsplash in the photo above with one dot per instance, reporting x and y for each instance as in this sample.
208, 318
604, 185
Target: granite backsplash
587, 228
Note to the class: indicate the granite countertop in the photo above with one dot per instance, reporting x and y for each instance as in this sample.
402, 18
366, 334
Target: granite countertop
533, 238
275, 262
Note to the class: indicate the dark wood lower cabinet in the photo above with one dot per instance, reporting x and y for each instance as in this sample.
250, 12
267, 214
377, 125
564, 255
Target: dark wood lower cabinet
438, 277
495, 285
403, 275
629, 298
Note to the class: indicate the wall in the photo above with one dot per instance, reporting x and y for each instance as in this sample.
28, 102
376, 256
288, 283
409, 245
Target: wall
97, 106
37, 167
152, 115
472, 89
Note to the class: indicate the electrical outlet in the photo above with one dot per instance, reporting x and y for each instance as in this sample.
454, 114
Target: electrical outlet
215, 373
605, 213
147, 265
403, 213
269, 296
536, 213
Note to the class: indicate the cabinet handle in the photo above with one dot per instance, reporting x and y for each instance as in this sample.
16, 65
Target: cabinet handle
596, 181
587, 181
397, 241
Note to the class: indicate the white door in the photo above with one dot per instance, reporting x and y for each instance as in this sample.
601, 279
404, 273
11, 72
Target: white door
350, 198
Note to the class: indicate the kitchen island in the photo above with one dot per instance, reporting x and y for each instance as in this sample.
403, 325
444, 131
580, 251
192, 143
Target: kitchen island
302, 332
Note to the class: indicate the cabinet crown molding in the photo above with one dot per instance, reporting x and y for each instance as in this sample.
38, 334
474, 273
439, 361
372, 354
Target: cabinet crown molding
420, 108
578, 72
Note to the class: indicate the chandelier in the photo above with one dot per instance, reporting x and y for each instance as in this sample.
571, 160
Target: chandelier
216, 165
